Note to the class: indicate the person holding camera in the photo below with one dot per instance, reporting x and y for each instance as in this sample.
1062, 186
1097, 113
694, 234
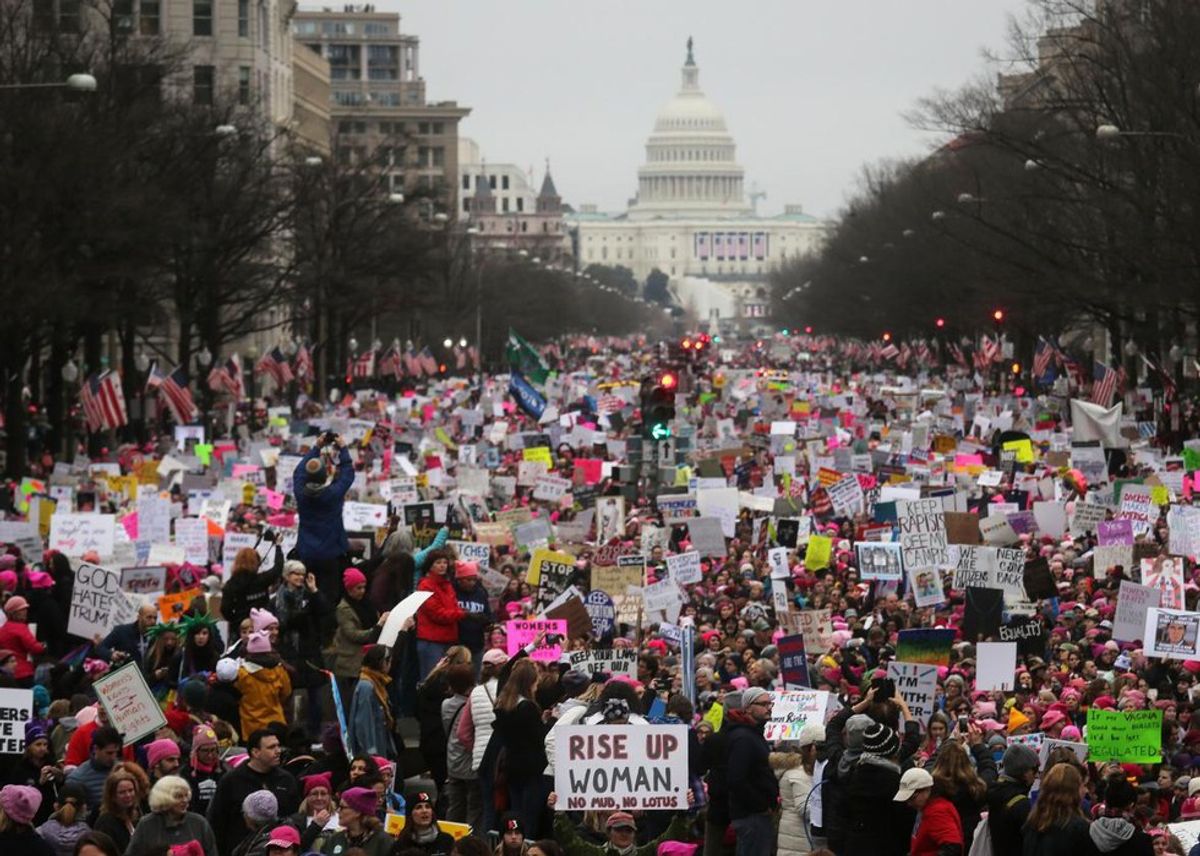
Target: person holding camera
320, 488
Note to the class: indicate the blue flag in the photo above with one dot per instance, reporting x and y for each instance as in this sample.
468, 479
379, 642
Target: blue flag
527, 397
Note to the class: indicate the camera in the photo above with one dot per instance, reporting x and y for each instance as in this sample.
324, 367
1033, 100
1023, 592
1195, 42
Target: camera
963, 724
885, 688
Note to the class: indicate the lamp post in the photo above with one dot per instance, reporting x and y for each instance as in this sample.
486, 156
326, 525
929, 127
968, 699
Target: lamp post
142, 363
471, 232
76, 83
1108, 133
70, 375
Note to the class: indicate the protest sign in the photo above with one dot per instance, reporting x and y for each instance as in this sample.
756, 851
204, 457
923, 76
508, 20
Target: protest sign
970, 567
706, 536
1133, 601
1086, 518
144, 580
521, 633
600, 607
982, 613
1050, 744
1172, 633
816, 626
76, 534
615, 579
997, 530
996, 664
1128, 736
399, 614
1027, 633
191, 533
793, 661
792, 710
97, 602
916, 683
1165, 573
684, 568
1112, 532
364, 516
663, 596
610, 518
234, 541
927, 587
470, 551
777, 559
172, 606
879, 561
153, 519
131, 707
922, 533
846, 494
622, 767
569, 607
929, 646
818, 553
551, 488
1137, 506
676, 508
962, 527
16, 709
607, 661
1188, 833
553, 572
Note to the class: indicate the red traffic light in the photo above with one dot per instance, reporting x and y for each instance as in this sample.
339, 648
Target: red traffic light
941, 322
808, 329
887, 337
668, 381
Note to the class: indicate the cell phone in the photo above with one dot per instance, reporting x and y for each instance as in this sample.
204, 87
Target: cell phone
963, 724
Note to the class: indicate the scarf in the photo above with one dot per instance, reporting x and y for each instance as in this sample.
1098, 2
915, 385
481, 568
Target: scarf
425, 836
380, 681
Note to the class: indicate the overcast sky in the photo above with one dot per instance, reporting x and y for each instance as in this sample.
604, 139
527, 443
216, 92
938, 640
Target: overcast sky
811, 89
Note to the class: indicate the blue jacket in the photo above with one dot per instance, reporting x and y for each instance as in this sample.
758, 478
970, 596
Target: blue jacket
368, 725
322, 535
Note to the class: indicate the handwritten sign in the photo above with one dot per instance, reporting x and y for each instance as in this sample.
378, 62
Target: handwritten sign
16, 709
923, 538
917, 684
521, 633
364, 516
131, 707
792, 710
608, 661
144, 580
622, 767
76, 534
470, 551
96, 600
1130, 736
684, 568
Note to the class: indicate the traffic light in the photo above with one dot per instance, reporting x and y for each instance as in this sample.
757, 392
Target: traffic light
658, 406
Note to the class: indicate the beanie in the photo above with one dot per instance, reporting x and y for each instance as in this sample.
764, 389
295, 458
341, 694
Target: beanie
361, 800
157, 750
880, 740
261, 619
352, 577
259, 642
261, 805
20, 802
1018, 760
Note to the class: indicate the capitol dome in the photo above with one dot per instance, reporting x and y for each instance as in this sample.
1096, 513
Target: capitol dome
690, 169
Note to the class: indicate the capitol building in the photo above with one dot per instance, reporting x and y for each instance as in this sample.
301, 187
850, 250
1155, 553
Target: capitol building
691, 219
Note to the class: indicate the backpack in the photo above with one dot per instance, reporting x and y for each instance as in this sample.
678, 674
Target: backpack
458, 757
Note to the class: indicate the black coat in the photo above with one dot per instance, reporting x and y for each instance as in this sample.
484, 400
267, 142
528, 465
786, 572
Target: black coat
716, 760
1069, 840
1008, 808
522, 734
753, 787
875, 822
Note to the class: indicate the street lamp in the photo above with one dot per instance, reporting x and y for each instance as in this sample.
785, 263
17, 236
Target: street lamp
396, 198
225, 130
1109, 133
141, 362
204, 358
76, 82
352, 344
313, 160
70, 371
462, 341
440, 217
938, 215
447, 342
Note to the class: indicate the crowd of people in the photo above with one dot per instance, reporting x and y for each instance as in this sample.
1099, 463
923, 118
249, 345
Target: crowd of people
347, 688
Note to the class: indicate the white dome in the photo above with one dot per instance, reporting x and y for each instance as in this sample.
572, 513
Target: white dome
691, 167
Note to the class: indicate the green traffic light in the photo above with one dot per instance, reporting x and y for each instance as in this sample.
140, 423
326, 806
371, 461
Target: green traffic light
660, 431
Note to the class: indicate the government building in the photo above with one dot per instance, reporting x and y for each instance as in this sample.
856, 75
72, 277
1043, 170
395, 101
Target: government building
691, 219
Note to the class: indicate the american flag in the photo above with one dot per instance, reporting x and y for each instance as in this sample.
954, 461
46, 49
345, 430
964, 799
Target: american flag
957, 353
412, 365
274, 363
303, 364
173, 389
227, 377
103, 402
391, 362
428, 363
1042, 355
364, 364
1104, 384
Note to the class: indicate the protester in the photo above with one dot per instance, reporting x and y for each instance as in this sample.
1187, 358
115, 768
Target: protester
263, 685
18, 806
358, 624
939, 831
421, 830
438, 617
321, 542
620, 835
170, 823
360, 829
520, 730
794, 770
875, 822
16, 639
106, 747
248, 586
753, 788
120, 808
66, 825
477, 613
204, 768
1008, 800
371, 720
261, 771
1057, 825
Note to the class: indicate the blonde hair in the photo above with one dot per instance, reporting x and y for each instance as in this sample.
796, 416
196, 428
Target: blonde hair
166, 791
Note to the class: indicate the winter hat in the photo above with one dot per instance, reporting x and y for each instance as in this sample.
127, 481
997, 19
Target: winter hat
227, 669
614, 709
574, 682
856, 729
318, 780
418, 798
34, 731
464, 570
1071, 732
285, 837
262, 805
810, 734
352, 577
259, 642
20, 802
1018, 760
752, 695
262, 619
194, 693
495, 657
1052, 718
40, 580
13, 604
204, 736
361, 800
157, 750
8, 580
881, 741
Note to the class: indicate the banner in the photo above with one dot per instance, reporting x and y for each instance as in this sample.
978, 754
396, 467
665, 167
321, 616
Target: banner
793, 661
131, 707
529, 399
1132, 736
97, 602
922, 533
622, 768
521, 633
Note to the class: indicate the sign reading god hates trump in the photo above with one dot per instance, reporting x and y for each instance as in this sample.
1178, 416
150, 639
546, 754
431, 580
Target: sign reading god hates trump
621, 767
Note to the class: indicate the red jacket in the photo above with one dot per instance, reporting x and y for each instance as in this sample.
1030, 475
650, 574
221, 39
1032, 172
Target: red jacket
15, 636
940, 825
438, 617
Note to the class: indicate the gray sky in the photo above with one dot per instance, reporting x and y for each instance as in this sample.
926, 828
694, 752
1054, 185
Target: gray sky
811, 89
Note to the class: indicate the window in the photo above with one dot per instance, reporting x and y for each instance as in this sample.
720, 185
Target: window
439, 156
439, 128
386, 99
504, 182
202, 18
383, 62
122, 11
492, 182
422, 127
520, 203
466, 182
202, 84
375, 29
244, 84
466, 205
504, 204
305, 28
345, 62
43, 15
347, 99
243, 7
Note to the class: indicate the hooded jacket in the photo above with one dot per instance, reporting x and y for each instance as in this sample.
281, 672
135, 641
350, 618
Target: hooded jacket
322, 535
753, 788
841, 758
795, 784
265, 688
438, 617
1118, 836
875, 822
